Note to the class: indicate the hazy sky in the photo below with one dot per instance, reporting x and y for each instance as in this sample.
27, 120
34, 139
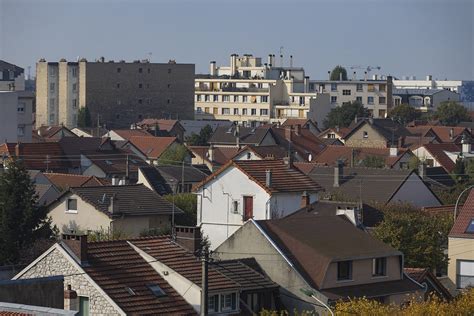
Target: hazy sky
410, 37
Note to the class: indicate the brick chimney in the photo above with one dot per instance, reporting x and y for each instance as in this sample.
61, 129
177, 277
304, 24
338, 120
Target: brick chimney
188, 237
304, 199
338, 173
71, 300
77, 244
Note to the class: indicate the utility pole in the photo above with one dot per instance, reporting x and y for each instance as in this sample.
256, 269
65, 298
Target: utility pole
98, 122
204, 284
47, 163
127, 170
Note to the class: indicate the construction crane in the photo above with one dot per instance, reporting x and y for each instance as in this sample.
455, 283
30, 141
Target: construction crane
366, 68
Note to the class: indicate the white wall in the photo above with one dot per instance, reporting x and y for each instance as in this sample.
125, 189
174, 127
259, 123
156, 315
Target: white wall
8, 117
414, 191
286, 203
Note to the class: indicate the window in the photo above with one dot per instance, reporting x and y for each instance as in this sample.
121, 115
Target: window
344, 270
331, 135
168, 101
346, 92
149, 70
359, 99
228, 302
199, 109
156, 290
333, 86
365, 134
398, 101
382, 113
264, 99
213, 304
72, 205
169, 85
225, 111
74, 87
215, 98
370, 87
235, 207
236, 111
206, 98
206, 109
464, 273
140, 101
253, 112
52, 86
248, 207
382, 100
21, 107
249, 155
74, 103
140, 70
333, 99
140, 85
74, 72
382, 87
215, 110
235, 98
51, 119
470, 227
119, 70
359, 87
51, 102
379, 267
244, 111
169, 70
263, 111
118, 85
198, 97
370, 100
20, 130
52, 72
83, 306
226, 98
245, 99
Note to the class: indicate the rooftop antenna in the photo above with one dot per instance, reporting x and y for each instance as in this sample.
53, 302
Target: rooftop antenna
281, 56
29, 73
149, 56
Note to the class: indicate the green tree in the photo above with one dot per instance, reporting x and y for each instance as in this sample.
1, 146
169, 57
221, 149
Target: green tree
404, 113
414, 162
173, 155
373, 162
337, 71
22, 221
84, 117
420, 237
200, 139
343, 115
459, 171
188, 203
450, 113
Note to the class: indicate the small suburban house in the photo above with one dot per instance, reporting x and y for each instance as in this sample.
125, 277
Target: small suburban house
461, 247
321, 259
378, 133
251, 189
152, 147
143, 277
126, 210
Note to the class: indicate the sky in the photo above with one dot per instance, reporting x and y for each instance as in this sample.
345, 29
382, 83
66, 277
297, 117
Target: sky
403, 37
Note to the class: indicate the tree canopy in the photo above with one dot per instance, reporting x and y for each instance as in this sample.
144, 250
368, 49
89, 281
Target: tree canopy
174, 154
188, 203
22, 221
450, 113
84, 117
200, 139
404, 113
343, 115
337, 71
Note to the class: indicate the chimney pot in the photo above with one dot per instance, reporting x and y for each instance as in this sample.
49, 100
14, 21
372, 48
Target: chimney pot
268, 178
338, 173
422, 170
188, 237
304, 199
77, 244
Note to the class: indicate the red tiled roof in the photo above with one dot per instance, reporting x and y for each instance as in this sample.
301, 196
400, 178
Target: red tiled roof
438, 153
151, 146
128, 133
222, 155
416, 274
265, 152
304, 142
437, 210
162, 124
342, 132
63, 180
51, 131
466, 215
284, 179
7, 313
442, 133
332, 153
116, 267
294, 121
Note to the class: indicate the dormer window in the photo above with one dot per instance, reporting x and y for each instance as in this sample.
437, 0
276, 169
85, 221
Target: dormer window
470, 227
344, 270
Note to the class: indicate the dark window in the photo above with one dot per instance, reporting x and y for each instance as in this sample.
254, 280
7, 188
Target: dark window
140, 116
119, 69
346, 92
83, 306
168, 101
169, 86
344, 270
149, 70
169, 70
470, 227
72, 205
379, 267
118, 85
365, 134
117, 116
156, 290
140, 70
140, 85
140, 101
213, 305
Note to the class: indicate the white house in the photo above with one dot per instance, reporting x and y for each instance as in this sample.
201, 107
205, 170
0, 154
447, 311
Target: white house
250, 189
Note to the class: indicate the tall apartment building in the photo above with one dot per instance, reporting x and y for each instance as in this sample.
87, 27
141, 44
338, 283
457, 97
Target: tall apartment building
117, 94
12, 77
250, 93
375, 94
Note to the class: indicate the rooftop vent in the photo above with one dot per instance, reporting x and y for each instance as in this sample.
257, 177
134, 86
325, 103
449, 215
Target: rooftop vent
130, 291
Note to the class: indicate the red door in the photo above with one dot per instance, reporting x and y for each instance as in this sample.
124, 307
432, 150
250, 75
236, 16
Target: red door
248, 207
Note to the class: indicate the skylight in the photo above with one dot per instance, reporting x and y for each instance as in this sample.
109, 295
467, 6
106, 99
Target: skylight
470, 227
130, 291
156, 290
108, 162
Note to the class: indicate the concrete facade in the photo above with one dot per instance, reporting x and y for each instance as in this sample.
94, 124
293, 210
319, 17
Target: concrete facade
251, 93
117, 94
16, 116
12, 77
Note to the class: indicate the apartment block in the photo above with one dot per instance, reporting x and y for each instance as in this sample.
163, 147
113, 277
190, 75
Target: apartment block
375, 94
117, 94
12, 77
16, 118
251, 93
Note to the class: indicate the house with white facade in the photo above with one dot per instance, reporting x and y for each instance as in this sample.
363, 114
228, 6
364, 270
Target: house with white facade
250, 189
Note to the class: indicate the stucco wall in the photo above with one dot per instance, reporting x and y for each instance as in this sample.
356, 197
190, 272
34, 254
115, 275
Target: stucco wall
414, 191
458, 249
374, 139
56, 264
134, 226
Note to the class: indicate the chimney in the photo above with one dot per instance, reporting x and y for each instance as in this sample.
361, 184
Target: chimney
354, 75
18, 149
365, 75
288, 131
340, 76
210, 153
338, 173
422, 170
213, 70
233, 64
298, 129
429, 77
393, 151
306, 84
291, 61
304, 199
77, 244
374, 77
269, 61
268, 178
113, 206
71, 300
288, 161
451, 133
466, 145
329, 75
115, 180
188, 237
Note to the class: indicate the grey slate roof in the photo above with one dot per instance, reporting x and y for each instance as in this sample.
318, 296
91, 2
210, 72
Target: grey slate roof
191, 174
156, 180
248, 135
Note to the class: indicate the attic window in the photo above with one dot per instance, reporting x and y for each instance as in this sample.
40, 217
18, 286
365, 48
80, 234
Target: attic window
156, 290
366, 135
470, 227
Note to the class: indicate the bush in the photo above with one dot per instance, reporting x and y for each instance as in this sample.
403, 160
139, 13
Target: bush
188, 203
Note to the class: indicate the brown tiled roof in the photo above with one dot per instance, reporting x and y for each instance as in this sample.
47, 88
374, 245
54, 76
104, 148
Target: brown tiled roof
300, 122
116, 267
51, 131
247, 135
73, 147
464, 218
222, 155
8, 313
422, 275
414, 142
438, 210
134, 199
330, 154
304, 167
312, 243
442, 133
438, 153
416, 274
284, 179
35, 156
128, 133
304, 142
166, 125
151, 146
266, 152
63, 181
342, 132
114, 162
